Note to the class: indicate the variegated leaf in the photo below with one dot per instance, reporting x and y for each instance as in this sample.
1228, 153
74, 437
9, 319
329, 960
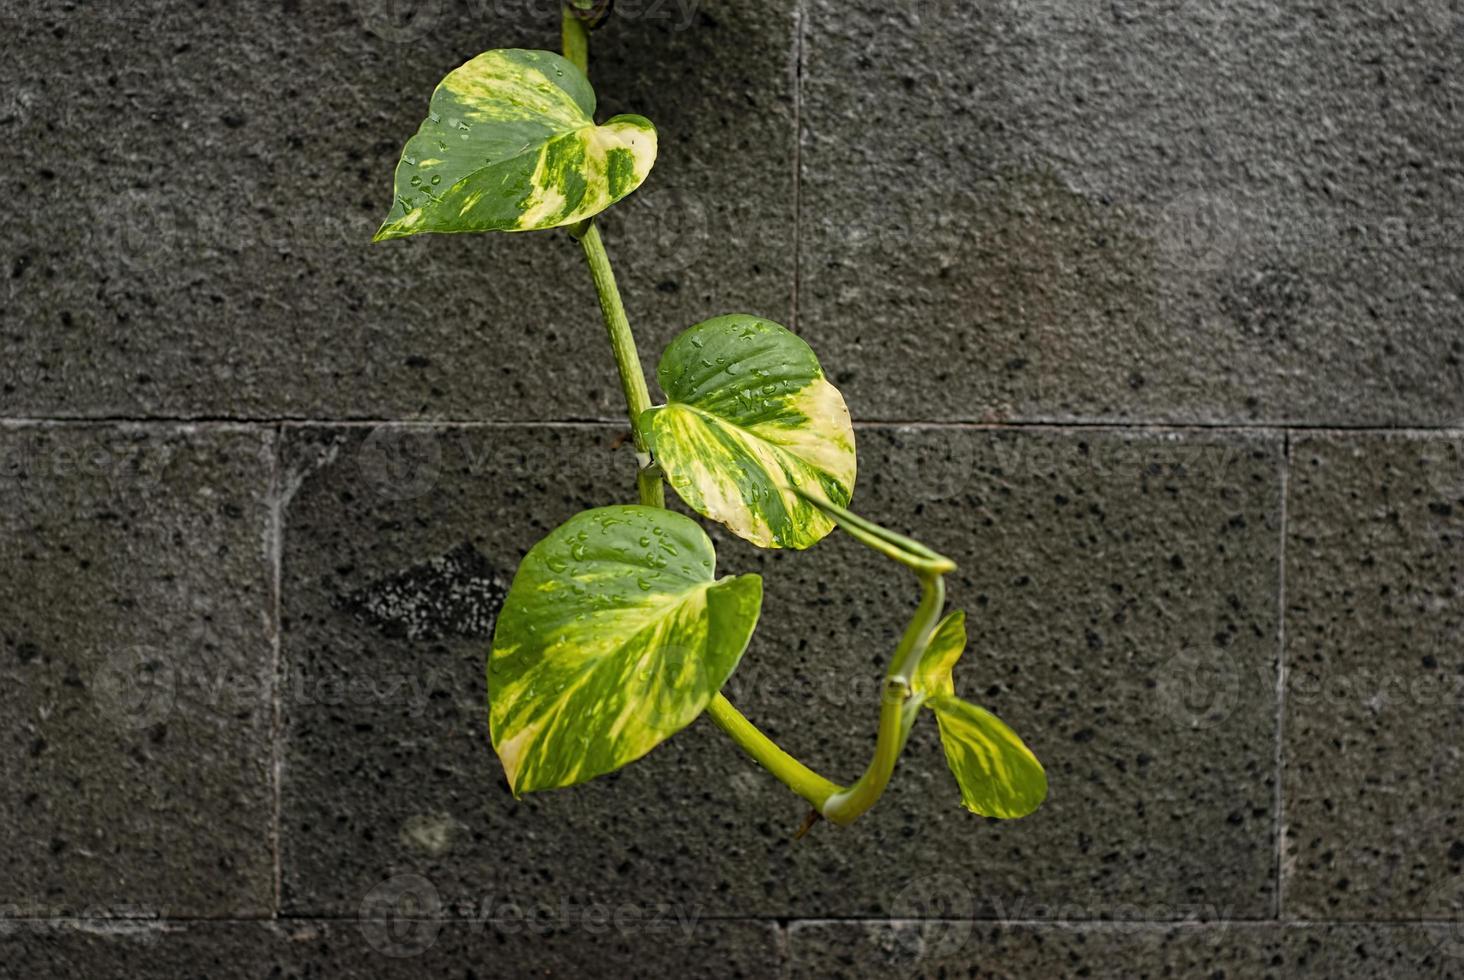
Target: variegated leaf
933, 674
510, 144
615, 635
947, 643
998, 775
750, 417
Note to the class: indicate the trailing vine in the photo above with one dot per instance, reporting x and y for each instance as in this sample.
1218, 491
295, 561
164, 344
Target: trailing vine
617, 632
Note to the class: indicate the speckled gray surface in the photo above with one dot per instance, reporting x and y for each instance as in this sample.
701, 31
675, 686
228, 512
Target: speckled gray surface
202, 184
1194, 212
1119, 951
136, 672
1158, 306
1375, 692
1164, 548
593, 941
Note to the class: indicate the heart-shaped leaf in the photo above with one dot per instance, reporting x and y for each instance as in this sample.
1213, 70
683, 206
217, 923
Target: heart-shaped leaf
510, 144
998, 775
750, 421
614, 636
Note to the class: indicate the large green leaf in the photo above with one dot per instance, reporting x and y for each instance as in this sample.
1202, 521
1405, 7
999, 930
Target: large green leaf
998, 775
510, 144
750, 420
614, 636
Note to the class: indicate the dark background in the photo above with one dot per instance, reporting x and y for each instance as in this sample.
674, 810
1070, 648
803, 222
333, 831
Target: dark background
1149, 311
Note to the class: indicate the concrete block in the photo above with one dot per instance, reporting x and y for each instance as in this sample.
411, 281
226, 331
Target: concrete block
1117, 951
1375, 677
594, 943
137, 667
202, 188
1052, 210
1122, 595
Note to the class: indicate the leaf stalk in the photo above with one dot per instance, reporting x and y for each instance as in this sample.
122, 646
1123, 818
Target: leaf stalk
840, 805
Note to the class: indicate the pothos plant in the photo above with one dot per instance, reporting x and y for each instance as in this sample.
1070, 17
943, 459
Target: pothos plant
617, 632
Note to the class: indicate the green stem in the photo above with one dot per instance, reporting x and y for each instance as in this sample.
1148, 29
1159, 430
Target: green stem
627, 358
798, 777
907, 551
575, 38
802, 780
845, 807
840, 805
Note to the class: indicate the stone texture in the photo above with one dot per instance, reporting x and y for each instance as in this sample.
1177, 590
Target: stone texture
1185, 212
1375, 689
1242, 214
136, 671
474, 949
201, 186
388, 766
1118, 951
1122, 590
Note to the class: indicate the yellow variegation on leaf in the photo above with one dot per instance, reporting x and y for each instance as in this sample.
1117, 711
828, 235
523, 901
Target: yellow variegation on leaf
510, 144
998, 775
750, 421
933, 673
614, 636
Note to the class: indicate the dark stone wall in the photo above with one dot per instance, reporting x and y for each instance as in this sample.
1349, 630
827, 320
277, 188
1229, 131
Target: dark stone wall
1148, 310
